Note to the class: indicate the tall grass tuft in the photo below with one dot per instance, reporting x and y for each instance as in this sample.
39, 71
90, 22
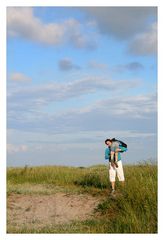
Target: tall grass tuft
136, 207
93, 180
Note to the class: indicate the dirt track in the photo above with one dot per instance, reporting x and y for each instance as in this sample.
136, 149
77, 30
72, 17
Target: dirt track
58, 208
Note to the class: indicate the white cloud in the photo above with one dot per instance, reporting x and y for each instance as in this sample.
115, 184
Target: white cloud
21, 22
34, 98
121, 22
131, 106
125, 107
20, 77
129, 23
145, 43
133, 112
12, 148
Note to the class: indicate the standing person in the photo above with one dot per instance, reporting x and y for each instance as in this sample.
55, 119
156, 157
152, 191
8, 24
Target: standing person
115, 169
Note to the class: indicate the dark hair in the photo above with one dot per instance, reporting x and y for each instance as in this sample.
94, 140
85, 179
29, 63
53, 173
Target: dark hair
107, 140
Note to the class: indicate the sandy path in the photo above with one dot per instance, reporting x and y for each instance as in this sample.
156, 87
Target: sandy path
39, 211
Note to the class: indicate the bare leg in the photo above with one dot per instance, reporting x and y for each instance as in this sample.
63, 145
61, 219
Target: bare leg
112, 156
112, 159
113, 185
116, 159
116, 156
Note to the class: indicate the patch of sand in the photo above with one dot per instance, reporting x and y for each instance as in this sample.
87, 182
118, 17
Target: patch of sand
58, 208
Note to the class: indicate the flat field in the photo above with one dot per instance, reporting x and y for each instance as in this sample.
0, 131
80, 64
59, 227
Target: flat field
57, 199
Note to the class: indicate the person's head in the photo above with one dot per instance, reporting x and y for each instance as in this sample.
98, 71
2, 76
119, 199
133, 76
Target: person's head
108, 142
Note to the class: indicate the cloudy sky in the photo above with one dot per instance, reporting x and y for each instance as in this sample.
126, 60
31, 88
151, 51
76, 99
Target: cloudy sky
76, 76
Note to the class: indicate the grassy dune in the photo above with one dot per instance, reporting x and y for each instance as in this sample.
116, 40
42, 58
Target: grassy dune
134, 210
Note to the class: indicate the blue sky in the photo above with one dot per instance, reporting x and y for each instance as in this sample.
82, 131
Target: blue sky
79, 75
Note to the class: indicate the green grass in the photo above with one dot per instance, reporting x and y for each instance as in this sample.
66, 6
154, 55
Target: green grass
134, 210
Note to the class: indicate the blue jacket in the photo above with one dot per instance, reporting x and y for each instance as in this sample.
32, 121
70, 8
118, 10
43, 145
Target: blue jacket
107, 154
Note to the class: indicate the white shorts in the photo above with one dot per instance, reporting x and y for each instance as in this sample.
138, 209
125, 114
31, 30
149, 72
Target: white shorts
116, 171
